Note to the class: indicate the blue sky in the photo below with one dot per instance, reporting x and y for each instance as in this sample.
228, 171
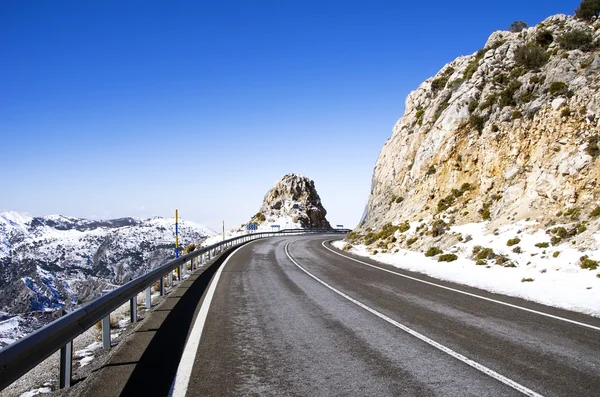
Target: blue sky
111, 109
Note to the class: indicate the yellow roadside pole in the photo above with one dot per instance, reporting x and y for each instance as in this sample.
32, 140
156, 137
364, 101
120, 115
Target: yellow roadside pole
177, 239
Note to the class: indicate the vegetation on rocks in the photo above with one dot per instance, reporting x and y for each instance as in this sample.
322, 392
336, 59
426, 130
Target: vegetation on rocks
191, 247
544, 38
517, 26
531, 56
557, 88
433, 251
477, 122
492, 118
513, 241
588, 9
576, 40
447, 258
592, 146
480, 252
586, 263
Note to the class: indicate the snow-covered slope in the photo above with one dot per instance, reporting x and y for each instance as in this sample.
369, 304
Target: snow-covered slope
57, 261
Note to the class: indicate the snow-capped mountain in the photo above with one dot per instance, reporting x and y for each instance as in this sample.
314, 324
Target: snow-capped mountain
56, 261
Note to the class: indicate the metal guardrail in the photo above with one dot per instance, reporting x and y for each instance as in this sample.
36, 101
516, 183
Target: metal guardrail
21, 356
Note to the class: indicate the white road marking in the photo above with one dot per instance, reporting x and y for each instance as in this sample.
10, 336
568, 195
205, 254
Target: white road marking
184, 370
474, 364
466, 293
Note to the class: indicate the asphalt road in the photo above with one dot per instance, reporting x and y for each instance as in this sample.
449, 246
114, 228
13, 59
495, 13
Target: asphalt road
291, 318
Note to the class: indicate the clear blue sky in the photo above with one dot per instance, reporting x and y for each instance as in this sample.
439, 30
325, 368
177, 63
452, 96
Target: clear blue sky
111, 109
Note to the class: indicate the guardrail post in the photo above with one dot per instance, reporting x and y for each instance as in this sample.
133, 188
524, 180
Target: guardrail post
106, 332
162, 285
179, 271
66, 365
148, 297
133, 309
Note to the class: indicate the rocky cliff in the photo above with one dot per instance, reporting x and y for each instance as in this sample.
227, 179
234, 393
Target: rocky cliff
508, 133
292, 202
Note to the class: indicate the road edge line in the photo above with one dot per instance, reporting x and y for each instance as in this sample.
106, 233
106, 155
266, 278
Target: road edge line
467, 293
186, 363
480, 367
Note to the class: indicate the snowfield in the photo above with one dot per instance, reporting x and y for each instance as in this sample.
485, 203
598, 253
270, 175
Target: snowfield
555, 281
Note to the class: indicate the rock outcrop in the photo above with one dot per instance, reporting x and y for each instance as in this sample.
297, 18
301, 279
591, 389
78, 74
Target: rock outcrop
508, 133
292, 202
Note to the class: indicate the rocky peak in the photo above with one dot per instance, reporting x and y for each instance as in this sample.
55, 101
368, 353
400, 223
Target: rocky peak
508, 133
293, 202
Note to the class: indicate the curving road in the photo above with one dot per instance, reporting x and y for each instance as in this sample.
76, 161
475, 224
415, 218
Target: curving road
295, 317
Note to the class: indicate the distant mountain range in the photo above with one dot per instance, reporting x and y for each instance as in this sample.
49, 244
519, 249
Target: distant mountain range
56, 261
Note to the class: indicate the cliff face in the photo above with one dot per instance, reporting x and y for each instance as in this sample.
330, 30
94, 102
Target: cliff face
292, 202
508, 133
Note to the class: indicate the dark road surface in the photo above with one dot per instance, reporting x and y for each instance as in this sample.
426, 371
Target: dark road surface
292, 316
274, 330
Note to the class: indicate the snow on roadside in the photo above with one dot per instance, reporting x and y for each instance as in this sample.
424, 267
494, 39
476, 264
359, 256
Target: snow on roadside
87, 347
35, 392
556, 280
86, 355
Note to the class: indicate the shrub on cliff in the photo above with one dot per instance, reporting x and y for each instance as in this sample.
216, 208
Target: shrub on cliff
531, 56
576, 39
474, 65
588, 9
447, 258
517, 26
189, 248
477, 122
433, 251
544, 38
558, 87
592, 147
513, 241
586, 263
439, 83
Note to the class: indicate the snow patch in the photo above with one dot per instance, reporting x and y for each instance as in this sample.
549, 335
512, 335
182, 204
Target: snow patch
35, 392
86, 355
557, 280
